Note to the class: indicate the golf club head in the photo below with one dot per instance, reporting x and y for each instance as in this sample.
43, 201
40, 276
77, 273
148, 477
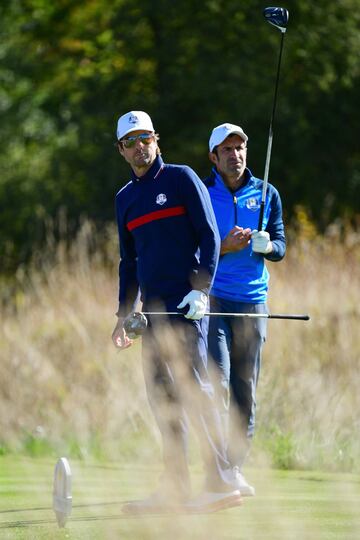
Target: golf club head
62, 498
135, 324
277, 16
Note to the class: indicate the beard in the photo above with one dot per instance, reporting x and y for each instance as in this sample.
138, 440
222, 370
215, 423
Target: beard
142, 158
235, 167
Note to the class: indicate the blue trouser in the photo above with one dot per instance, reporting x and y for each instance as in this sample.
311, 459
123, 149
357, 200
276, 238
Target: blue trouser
235, 345
178, 389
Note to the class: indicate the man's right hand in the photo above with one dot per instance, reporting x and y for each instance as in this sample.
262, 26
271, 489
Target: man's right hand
119, 337
237, 239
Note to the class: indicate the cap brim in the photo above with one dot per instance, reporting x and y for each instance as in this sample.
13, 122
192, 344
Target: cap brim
237, 132
232, 132
134, 129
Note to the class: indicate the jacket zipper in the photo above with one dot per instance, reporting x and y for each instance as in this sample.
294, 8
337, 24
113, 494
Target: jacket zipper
234, 198
235, 208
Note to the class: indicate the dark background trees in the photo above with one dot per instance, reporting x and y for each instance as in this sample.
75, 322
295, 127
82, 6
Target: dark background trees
68, 70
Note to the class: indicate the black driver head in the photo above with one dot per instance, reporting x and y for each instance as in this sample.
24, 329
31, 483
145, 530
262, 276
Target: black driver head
135, 324
277, 16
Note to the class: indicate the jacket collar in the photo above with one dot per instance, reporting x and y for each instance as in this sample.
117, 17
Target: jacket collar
217, 176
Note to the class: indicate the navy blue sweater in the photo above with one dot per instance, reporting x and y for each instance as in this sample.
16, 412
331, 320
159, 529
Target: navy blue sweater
169, 240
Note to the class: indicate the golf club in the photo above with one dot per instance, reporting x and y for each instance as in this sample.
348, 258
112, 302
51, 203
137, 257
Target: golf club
278, 17
136, 322
300, 317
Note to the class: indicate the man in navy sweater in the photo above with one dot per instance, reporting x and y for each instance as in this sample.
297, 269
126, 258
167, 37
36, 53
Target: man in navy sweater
240, 284
169, 249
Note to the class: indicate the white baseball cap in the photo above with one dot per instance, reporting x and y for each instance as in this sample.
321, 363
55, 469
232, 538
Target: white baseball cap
219, 134
133, 121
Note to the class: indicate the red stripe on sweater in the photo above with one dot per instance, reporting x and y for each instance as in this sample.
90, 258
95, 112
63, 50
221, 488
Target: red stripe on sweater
153, 216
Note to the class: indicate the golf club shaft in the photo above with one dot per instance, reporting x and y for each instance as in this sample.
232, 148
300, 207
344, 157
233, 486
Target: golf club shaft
301, 317
269, 146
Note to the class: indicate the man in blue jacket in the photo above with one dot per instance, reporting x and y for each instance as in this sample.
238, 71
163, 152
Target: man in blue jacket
169, 249
240, 284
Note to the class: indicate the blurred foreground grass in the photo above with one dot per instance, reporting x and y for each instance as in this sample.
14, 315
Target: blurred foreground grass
288, 505
65, 390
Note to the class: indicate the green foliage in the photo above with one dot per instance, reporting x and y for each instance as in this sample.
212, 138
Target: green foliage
68, 70
3, 449
35, 446
281, 448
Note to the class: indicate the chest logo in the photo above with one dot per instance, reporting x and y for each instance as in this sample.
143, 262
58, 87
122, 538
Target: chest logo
252, 204
161, 199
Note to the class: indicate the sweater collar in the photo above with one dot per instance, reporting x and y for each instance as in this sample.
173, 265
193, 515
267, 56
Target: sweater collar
152, 173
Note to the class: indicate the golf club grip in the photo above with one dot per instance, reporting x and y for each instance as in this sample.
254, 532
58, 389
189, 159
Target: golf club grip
293, 317
261, 216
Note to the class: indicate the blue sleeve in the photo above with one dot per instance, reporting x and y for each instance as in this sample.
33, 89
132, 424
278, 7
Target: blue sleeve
199, 209
275, 227
128, 283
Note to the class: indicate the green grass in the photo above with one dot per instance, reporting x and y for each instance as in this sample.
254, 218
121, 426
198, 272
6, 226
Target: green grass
288, 505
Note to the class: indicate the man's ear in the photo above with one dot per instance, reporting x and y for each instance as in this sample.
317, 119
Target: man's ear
213, 157
120, 148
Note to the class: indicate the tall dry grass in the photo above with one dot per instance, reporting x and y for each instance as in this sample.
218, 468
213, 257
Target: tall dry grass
65, 388
309, 404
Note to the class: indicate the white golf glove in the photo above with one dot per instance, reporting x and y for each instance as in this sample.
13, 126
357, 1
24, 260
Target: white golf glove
197, 301
261, 242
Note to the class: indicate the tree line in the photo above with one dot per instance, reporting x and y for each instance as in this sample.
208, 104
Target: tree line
68, 70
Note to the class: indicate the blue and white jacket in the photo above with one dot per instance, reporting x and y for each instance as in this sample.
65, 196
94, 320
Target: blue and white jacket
169, 241
242, 276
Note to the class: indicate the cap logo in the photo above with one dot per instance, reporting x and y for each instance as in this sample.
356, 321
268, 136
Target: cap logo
161, 199
133, 119
252, 204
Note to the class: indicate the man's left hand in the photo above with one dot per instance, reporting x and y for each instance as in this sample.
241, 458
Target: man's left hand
261, 242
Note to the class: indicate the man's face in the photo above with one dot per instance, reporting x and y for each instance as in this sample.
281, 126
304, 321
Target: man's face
230, 157
141, 152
